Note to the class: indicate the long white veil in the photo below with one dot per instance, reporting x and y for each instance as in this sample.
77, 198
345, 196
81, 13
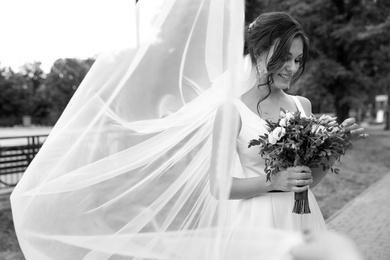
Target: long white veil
124, 173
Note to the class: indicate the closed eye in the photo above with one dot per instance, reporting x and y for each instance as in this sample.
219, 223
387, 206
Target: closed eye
299, 59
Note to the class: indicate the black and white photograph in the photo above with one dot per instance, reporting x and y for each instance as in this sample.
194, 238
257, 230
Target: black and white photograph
195, 130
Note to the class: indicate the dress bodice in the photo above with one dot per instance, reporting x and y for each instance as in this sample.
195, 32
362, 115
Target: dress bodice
270, 209
251, 127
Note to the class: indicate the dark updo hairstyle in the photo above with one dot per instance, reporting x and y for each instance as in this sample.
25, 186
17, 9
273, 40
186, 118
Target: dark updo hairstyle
279, 29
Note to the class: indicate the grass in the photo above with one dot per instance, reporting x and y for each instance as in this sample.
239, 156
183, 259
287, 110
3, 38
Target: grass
362, 166
9, 247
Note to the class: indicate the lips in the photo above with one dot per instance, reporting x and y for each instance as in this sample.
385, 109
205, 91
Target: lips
286, 77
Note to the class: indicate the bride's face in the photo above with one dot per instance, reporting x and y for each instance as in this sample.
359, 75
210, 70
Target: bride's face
293, 60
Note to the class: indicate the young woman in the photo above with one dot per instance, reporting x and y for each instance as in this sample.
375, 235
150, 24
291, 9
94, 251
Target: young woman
277, 48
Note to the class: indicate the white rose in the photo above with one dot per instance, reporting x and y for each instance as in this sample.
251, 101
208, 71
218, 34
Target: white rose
326, 119
276, 134
315, 129
282, 114
286, 116
335, 130
271, 139
283, 122
289, 116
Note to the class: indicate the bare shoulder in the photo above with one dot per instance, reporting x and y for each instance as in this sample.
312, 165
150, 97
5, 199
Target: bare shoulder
306, 104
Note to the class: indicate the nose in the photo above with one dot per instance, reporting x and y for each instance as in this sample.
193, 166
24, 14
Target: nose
291, 66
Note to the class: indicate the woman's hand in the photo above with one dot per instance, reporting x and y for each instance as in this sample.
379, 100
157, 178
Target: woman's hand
352, 129
296, 179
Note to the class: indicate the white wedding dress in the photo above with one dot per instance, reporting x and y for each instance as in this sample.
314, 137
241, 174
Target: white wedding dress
273, 209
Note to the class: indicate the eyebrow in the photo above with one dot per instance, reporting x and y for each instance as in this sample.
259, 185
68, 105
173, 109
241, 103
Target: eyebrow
290, 54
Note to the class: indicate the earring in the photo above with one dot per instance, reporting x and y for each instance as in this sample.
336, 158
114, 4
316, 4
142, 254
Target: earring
260, 73
259, 68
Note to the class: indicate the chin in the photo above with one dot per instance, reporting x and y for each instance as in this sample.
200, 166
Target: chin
282, 86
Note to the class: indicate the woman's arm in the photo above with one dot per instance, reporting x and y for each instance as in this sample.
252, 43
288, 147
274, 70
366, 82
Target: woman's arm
241, 188
286, 180
244, 188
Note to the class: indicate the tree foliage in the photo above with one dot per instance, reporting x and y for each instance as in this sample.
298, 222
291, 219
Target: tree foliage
31, 92
348, 65
8, 101
349, 58
22, 92
63, 80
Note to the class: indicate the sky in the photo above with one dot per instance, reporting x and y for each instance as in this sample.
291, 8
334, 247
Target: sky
46, 30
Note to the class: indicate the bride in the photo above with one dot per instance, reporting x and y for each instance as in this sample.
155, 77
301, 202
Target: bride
126, 172
276, 49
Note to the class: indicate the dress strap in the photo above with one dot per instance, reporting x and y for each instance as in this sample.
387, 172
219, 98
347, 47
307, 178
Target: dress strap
299, 105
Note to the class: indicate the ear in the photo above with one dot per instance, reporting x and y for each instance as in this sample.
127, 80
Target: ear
261, 66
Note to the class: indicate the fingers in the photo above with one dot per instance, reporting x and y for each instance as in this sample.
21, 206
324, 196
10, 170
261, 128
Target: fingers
299, 189
303, 182
300, 175
299, 185
300, 169
349, 124
357, 131
350, 128
348, 121
357, 134
296, 179
353, 130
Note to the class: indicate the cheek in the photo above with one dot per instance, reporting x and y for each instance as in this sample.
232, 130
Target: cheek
282, 68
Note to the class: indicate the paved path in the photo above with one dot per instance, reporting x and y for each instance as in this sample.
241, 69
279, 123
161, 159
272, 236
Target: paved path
366, 220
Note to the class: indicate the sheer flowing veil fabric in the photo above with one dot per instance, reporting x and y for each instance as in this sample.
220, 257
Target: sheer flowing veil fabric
124, 173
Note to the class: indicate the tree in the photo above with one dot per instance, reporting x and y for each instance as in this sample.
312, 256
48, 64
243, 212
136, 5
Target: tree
21, 92
7, 97
32, 94
346, 57
343, 66
381, 66
63, 80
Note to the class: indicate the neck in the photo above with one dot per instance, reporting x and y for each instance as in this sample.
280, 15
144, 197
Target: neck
275, 93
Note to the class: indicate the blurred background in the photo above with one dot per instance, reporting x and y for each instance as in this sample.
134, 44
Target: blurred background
347, 73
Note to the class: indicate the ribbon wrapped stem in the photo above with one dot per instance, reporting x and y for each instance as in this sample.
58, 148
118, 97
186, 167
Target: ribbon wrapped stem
301, 204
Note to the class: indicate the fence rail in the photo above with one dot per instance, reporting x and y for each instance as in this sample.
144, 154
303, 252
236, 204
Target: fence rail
16, 153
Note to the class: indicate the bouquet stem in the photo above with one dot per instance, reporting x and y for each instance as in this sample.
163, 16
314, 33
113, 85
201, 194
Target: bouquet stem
301, 205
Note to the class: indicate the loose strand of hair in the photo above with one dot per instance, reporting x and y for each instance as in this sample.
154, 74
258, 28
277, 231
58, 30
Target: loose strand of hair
269, 82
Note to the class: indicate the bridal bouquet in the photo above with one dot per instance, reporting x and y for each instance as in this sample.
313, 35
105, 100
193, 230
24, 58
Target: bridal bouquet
296, 140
